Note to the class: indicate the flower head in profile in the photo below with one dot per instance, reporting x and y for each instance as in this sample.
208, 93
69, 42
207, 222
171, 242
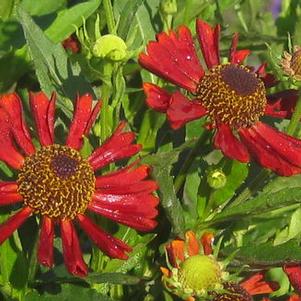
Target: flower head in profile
231, 95
194, 272
57, 184
291, 63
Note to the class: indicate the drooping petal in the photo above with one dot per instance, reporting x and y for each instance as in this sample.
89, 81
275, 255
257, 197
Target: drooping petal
8, 152
209, 41
265, 155
156, 97
9, 193
118, 146
237, 56
256, 285
43, 113
13, 106
230, 146
113, 247
83, 119
71, 250
45, 247
123, 177
135, 210
182, 110
13, 223
281, 104
293, 273
173, 57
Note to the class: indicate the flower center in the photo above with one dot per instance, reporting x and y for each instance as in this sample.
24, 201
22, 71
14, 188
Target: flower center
57, 182
200, 272
233, 95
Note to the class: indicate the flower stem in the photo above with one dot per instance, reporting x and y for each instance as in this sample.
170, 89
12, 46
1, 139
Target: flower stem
109, 16
180, 179
291, 129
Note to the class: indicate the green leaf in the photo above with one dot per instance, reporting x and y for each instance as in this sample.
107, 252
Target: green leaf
69, 292
70, 19
6, 8
113, 278
265, 255
40, 8
284, 191
54, 70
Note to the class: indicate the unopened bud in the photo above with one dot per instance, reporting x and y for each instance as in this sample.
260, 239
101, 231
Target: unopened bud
216, 179
169, 7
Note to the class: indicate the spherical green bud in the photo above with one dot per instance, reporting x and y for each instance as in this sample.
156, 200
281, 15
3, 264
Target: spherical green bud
169, 7
216, 179
200, 273
111, 47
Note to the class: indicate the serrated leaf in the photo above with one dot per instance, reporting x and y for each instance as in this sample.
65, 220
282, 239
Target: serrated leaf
54, 70
69, 292
70, 19
265, 255
113, 278
280, 193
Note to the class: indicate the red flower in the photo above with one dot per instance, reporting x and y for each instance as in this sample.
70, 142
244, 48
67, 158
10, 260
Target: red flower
58, 184
231, 95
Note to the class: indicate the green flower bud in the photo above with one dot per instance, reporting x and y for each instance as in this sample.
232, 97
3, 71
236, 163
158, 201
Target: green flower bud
169, 7
216, 179
111, 47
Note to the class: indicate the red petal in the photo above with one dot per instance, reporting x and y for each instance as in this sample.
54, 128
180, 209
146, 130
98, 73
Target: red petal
13, 223
207, 240
156, 97
124, 176
174, 58
294, 297
71, 250
282, 104
126, 217
282, 144
45, 248
255, 285
8, 152
9, 193
293, 273
43, 113
209, 40
118, 146
193, 246
175, 251
237, 56
182, 110
230, 145
113, 247
265, 155
83, 119
13, 106
268, 79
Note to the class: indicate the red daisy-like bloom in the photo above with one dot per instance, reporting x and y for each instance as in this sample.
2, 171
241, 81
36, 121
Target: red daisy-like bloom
56, 183
293, 273
233, 96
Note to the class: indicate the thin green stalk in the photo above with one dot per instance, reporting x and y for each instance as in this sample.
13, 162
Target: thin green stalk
180, 179
292, 127
107, 5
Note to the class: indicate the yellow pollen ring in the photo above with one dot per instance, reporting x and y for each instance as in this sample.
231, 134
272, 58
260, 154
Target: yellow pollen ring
233, 95
57, 182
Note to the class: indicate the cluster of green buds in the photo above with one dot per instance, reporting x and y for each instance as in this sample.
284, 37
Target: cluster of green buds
195, 273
